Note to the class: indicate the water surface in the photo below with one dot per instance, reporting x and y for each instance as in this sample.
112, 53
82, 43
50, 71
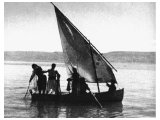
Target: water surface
139, 95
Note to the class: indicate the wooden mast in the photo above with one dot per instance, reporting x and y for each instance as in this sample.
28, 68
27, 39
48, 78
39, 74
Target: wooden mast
94, 67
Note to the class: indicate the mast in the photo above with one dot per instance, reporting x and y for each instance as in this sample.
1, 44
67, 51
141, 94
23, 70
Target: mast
94, 67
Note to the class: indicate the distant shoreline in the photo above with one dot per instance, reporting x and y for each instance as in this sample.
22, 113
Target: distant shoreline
140, 66
58, 57
30, 63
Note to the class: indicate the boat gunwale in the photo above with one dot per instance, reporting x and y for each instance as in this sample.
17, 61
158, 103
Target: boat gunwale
69, 97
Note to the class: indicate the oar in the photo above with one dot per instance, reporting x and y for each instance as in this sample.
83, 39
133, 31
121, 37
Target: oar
27, 90
96, 99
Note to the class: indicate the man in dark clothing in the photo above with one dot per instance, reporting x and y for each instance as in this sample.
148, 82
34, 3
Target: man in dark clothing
69, 84
79, 85
41, 82
83, 86
75, 82
112, 87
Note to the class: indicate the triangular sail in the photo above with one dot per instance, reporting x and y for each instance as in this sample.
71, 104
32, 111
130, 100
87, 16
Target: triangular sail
77, 52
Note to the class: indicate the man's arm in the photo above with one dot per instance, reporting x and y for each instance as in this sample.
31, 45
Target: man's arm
87, 87
45, 71
32, 76
58, 75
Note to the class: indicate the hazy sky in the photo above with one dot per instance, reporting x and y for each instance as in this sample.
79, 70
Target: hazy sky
109, 26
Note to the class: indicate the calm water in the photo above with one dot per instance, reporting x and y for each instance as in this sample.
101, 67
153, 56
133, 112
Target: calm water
139, 96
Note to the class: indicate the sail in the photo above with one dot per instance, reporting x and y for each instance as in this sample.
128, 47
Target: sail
77, 52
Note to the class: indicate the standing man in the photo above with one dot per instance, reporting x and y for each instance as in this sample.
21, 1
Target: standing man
75, 82
53, 80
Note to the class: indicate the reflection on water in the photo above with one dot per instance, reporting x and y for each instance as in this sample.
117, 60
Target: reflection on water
61, 110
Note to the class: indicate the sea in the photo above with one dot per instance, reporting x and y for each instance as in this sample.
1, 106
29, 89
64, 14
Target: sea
137, 79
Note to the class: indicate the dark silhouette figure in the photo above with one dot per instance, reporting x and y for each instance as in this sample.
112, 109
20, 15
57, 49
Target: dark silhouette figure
41, 82
112, 87
69, 84
83, 86
53, 80
75, 82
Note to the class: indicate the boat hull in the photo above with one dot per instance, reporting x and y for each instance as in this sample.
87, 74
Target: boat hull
65, 97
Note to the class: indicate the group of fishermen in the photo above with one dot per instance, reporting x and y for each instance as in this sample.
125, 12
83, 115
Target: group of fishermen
42, 84
51, 85
76, 83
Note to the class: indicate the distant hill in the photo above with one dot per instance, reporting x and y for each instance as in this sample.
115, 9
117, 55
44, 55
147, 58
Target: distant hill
29, 56
131, 57
119, 56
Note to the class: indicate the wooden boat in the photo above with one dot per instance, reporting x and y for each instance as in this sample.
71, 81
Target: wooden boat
116, 96
90, 63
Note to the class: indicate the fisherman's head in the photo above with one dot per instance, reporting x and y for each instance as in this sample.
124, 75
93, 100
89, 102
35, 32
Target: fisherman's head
53, 65
34, 66
74, 69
